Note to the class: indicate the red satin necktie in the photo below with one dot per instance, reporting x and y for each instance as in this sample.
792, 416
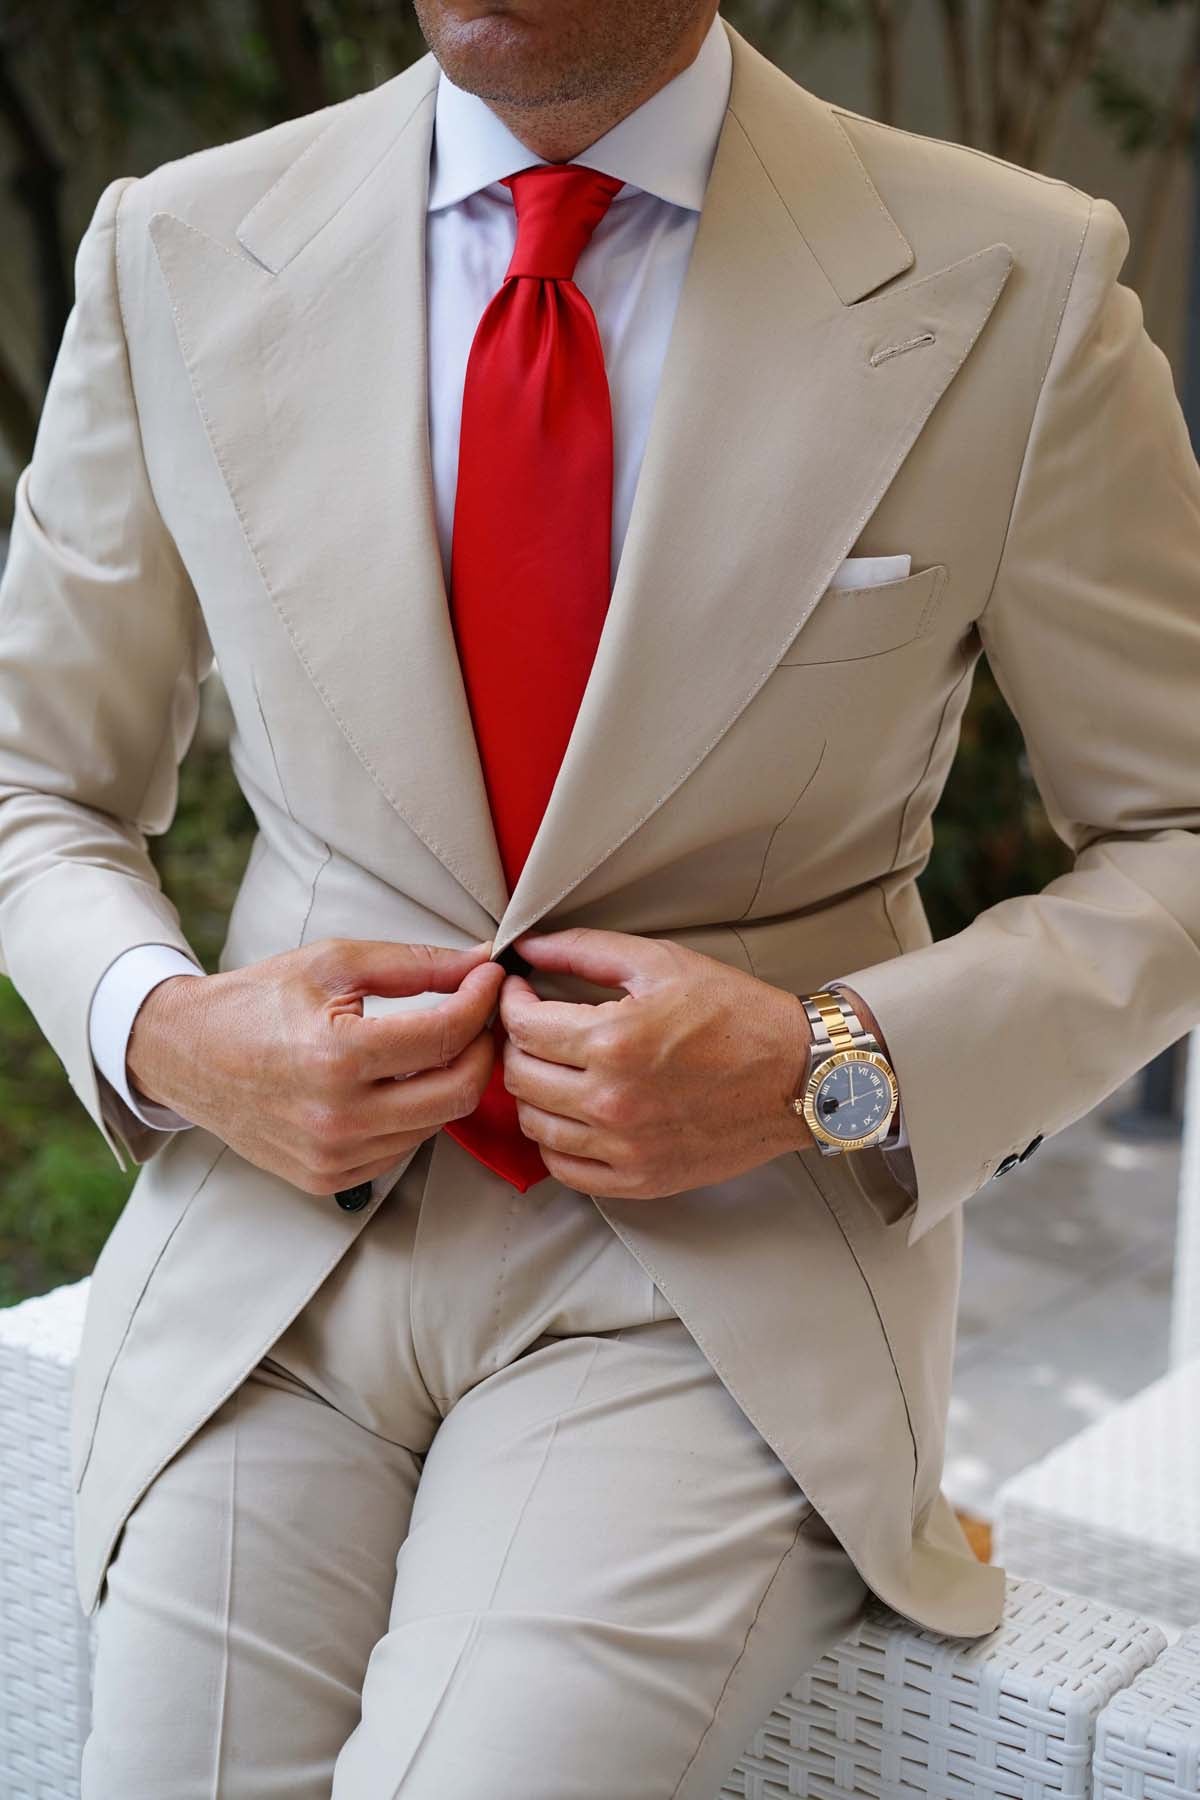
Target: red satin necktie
531, 558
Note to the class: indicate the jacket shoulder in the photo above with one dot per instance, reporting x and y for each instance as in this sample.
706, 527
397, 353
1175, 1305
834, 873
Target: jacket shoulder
944, 194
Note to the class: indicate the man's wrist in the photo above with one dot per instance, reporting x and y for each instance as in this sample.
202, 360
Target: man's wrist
795, 1040
142, 1055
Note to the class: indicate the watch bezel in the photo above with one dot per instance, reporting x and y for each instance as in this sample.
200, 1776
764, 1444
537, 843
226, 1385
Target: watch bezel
877, 1060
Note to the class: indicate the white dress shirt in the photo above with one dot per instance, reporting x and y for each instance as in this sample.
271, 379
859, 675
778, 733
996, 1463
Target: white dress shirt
631, 272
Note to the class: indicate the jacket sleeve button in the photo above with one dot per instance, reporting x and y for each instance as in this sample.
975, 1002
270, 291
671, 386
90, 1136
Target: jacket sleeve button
352, 1198
1010, 1162
1030, 1147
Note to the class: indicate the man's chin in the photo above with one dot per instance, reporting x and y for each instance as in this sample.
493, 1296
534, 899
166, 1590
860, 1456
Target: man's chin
496, 55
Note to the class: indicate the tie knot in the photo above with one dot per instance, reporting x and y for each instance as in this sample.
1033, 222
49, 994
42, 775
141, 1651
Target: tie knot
559, 205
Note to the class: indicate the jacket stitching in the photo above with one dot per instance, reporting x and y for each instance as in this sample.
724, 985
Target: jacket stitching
913, 343
778, 827
924, 137
935, 740
872, 191
346, 107
321, 862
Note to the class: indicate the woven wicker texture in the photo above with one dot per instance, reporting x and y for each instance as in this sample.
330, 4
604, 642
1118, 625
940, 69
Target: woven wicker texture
892, 1710
1148, 1740
45, 1640
895, 1710
1115, 1511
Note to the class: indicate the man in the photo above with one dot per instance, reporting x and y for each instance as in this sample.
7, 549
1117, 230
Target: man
528, 1339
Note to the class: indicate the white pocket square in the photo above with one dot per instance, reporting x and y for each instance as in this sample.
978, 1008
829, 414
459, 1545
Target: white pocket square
866, 571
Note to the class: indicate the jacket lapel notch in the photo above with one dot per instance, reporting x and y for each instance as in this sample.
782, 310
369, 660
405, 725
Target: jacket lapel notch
316, 184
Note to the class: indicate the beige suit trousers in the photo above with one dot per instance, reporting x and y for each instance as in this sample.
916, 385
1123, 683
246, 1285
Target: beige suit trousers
484, 1525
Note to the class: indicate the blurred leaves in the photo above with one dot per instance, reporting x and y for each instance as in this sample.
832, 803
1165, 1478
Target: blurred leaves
1128, 105
992, 838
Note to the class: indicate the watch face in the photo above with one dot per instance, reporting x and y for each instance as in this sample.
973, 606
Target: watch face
853, 1100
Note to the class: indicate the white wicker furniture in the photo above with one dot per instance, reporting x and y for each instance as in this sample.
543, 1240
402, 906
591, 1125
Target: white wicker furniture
896, 1710
1115, 1511
45, 1641
893, 1711
1148, 1740
1185, 1297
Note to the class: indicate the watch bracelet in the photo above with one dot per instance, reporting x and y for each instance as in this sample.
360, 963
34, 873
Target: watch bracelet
834, 1022
834, 1025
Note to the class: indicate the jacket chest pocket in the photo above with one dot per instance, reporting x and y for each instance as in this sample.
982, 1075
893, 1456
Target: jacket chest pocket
849, 623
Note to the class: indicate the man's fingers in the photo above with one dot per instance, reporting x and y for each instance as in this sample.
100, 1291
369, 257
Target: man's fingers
584, 1174
556, 1030
371, 1121
426, 1037
432, 1096
550, 1085
569, 1137
356, 966
607, 958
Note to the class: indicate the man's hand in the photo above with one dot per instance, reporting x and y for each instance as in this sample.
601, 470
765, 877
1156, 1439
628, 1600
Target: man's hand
278, 1060
685, 1080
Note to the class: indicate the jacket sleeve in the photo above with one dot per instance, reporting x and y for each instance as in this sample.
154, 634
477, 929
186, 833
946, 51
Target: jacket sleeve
1034, 1012
102, 649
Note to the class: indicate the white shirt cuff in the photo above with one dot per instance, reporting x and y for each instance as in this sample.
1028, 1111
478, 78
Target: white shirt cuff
119, 993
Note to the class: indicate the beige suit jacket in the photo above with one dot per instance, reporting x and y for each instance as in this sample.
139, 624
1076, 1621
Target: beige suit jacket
885, 343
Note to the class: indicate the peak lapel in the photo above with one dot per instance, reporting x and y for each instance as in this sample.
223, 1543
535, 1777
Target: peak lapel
308, 359
773, 438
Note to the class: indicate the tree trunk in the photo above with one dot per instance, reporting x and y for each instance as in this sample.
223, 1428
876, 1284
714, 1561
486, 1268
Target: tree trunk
295, 46
958, 63
1059, 81
18, 422
1178, 126
36, 183
883, 19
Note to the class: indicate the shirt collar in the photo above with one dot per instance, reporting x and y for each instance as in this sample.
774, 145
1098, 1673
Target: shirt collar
664, 147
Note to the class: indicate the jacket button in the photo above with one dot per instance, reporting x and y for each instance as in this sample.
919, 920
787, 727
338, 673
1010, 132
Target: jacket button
352, 1198
1010, 1162
512, 962
1030, 1147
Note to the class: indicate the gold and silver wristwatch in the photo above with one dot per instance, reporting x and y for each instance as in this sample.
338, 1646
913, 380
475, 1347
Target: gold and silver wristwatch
848, 1096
